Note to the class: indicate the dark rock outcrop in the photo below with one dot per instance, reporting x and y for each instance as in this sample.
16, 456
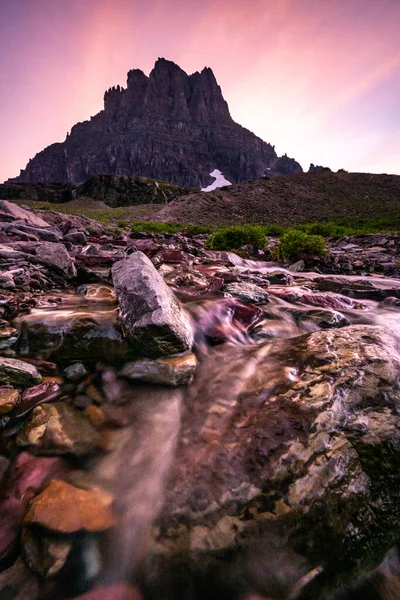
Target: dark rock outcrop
170, 126
121, 190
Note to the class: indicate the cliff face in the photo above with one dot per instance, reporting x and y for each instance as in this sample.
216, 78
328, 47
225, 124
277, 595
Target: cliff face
170, 126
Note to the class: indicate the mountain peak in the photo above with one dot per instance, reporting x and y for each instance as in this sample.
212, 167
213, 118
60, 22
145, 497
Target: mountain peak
168, 125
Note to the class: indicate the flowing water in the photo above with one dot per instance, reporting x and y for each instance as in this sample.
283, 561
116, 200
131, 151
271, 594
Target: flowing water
143, 452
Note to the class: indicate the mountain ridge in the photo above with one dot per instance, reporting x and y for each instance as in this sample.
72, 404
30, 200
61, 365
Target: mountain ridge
168, 125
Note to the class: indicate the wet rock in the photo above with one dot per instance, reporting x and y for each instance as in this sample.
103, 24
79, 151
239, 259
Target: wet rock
71, 335
247, 292
152, 318
172, 370
300, 436
75, 372
8, 398
369, 288
58, 429
17, 372
44, 392
23, 478
45, 554
324, 319
64, 508
19, 583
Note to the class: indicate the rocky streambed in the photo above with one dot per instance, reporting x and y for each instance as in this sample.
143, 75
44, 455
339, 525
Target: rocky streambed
177, 423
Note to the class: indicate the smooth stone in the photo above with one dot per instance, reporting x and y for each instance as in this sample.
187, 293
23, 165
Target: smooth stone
152, 318
247, 292
58, 428
75, 372
172, 370
64, 508
18, 372
8, 399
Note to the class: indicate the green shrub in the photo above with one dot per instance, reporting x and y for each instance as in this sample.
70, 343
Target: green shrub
154, 227
275, 230
294, 242
236, 236
328, 229
197, 229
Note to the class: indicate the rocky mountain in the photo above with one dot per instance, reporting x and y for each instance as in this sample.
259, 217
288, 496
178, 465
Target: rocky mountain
170, 126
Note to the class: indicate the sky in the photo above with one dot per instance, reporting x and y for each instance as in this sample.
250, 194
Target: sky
319, 79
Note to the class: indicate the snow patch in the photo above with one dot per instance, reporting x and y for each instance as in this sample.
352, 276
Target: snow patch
220, 181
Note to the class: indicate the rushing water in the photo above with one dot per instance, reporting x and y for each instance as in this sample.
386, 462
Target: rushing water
143, 452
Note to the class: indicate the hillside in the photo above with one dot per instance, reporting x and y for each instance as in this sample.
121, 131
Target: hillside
291, 199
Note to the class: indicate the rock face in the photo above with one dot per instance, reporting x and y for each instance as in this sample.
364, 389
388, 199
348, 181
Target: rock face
170, 126
152, 317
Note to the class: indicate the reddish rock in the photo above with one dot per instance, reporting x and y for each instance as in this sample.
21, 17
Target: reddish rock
24, 477
147, 246
64, 508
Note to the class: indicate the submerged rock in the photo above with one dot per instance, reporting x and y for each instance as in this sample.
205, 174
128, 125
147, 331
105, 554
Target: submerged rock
58, 429
153, 320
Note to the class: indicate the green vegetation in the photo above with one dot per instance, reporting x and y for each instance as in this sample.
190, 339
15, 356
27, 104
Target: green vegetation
197, 229
294, 242
236, 236
154, 227
274, 230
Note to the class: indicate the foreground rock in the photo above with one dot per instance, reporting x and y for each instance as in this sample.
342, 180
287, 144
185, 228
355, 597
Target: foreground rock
64, 508
152, 318
172, 370
17, 372
301, 438
58, 428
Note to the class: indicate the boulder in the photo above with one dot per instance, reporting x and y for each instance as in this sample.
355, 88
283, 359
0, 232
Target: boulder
16, 212
152, 318
300, 437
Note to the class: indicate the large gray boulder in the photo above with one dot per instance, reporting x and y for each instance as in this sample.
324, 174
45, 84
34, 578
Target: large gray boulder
151, 316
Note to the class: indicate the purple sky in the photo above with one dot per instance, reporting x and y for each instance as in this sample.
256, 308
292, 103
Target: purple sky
320, 79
